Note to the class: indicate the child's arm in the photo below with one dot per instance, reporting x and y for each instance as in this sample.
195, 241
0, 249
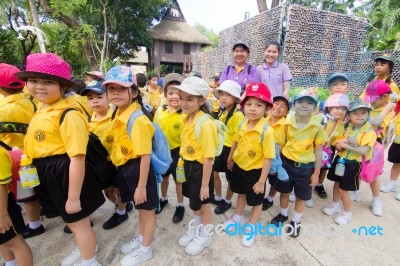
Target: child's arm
317, 167
230, 160
378, 120
140, 192
76, 176
286, 86
5, 222
260, 185
363, 150
207, 169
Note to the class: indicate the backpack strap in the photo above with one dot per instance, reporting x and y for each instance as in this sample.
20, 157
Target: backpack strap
199, 123
229, 115
249, 69
5, 146
34, 105
13, 127
64, 113
114, 113
131, 121
263, 132
228, 68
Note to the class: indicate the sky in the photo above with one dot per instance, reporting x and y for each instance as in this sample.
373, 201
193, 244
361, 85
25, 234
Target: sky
217, 14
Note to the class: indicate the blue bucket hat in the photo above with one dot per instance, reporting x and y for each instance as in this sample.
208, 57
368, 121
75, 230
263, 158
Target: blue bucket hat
121, 75
96, 86
338, 75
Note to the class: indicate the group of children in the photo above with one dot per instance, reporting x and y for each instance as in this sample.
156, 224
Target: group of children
58, 134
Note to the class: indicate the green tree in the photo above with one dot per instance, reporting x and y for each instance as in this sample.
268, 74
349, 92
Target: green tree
210, 34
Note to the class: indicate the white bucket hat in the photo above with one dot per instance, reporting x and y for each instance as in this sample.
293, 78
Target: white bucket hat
194, 86
231, 87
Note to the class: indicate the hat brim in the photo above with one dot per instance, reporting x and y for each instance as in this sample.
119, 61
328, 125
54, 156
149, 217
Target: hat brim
216, 94
188, 90
245, 47
337, 77
359, 107
268, 101
383, 58
277, 98
85, 92
306, 96
118, 82
24, 75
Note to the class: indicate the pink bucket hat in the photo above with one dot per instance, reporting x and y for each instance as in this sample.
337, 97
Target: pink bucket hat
8, 79
375, 89
47, 66
337, 100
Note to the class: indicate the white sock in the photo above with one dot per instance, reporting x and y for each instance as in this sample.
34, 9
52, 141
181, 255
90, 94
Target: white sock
35, 225
217, 198
336, 204
284, 212
144, 249
375, 199
319, 185
197, 220
180, 205
236, 217
88, 262
204, 233
270, 199
164, 198
227, 201
392, 181
10, 263
121, 212
140, 238
296, 217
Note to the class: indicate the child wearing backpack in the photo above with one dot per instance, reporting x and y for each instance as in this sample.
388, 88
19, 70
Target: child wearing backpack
357, 140
58, 152
250, 158
228, 93
135, 176
301, 139
276, 119
169, 117
198, 153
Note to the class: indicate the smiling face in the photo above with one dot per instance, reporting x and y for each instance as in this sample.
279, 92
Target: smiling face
46, 91
240, 55
279, 109
172, 96
271, 54
120, 96
304, 106
190, 104
98, 102
255, 109
338, 112
359, 116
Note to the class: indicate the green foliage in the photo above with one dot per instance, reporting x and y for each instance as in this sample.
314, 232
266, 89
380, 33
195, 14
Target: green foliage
323, 93
210, 34
9, 47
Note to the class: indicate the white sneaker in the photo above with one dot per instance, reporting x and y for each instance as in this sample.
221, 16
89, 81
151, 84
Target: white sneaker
197, 245
187, 237
232, 221
74, 257
130, 246
292, 197
310, 203
332, 209
136, 258
377, 209
248, 238
389, 187
355, 195
397, 196
343, 218
79, 263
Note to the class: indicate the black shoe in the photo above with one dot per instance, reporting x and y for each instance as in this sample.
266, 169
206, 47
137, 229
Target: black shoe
163, 203
115, 220
178, 215
321, 192
216, 202
222, 207
295, 229
28, 233
129, 206
267, 204
279, 219
68, 231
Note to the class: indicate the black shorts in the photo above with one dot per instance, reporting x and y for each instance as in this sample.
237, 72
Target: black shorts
17, 222
299, 180
112, 174
242, 183
350, 180
221, 163
191, 188
52, 192
128, 179
172, 168
394, 153
272, 178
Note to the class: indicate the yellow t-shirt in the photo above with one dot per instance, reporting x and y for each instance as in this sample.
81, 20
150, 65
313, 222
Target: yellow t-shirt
15, 108
194, 149
103, 129
5, 167
365, 136
396, 123
298, 144
46, 137
215, 103
171, 125
277, 125
81, 104
233, 125
333, 128
385, 122
250, 152
138, 143
155, 98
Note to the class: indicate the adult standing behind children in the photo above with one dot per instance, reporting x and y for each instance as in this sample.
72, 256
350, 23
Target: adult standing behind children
276, 75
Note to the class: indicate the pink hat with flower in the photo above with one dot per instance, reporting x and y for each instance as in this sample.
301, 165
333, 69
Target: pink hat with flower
47, 66
375, 89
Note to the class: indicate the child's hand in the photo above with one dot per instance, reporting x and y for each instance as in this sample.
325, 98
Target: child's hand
341, 144
5, 223
204, 192
390, 106
73, 206
314, 180
230, 165
259, 187
140, 196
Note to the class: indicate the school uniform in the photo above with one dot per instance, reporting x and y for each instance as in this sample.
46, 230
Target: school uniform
194, 151
385, 122
17, 222
272, 177
126, 155
249, 159
155, 98
233, 123
298, 156
51, 144
171, 126
394, 150
350, 180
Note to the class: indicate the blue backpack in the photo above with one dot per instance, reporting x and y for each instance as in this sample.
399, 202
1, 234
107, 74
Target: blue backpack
160, 157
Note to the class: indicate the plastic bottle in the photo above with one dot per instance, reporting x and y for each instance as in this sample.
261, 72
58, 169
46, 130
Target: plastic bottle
180, 172
339, 169
28, 173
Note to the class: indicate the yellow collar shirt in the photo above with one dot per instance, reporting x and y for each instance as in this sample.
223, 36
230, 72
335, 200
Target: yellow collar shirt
103, 129
171, 125
232, 125
385, 122
396, 123
277, 125
5, 167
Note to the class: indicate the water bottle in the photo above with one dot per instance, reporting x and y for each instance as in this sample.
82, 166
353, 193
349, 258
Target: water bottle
28, 173
180, 172
339, 170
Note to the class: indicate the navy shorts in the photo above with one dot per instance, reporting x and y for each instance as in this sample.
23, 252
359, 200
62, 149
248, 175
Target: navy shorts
221, 163
172, 168
299, 179
394, 153
128, 180
17, 222
191, 188
242, 183
350, 181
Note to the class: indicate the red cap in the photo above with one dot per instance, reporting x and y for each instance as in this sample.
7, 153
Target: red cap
258, 90
375, 89
8, 79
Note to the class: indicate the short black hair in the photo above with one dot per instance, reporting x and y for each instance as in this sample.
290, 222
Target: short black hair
141, 80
